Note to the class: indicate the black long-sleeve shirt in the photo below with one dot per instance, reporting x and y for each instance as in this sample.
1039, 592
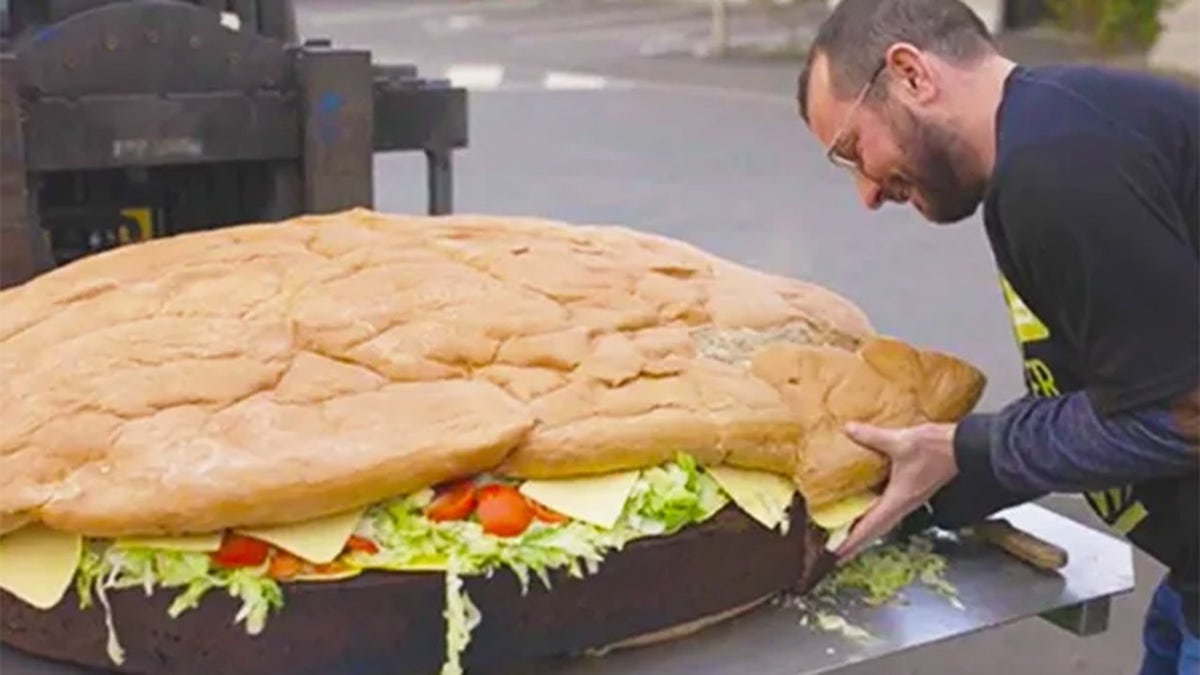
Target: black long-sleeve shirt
1092, 215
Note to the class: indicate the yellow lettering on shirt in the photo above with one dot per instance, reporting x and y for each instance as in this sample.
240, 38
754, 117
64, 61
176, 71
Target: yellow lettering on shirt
1040, 379
1115, 506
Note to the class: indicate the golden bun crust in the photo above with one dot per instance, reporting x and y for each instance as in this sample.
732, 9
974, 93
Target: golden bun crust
273, 373
885, 382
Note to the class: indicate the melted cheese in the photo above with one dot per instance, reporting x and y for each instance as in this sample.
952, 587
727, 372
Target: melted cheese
198, 543
427, 564
37, 564
592, 499
844, 512
318, 541
317, 577
836, 537
763, 495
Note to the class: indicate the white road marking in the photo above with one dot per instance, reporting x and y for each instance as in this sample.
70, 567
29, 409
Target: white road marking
577, 29
476, 77
455, 23
463, 21
339, 14
629, 16
493, 77
574, 81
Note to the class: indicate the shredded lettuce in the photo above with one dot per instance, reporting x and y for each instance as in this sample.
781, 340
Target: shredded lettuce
834, 623
879, 574
461, 618
406, 538
667, 498
663, 500
105, 568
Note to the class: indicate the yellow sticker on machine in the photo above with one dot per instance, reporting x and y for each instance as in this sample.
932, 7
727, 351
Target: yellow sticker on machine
145, 225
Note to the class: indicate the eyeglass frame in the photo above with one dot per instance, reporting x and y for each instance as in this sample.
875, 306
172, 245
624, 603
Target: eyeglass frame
831, 152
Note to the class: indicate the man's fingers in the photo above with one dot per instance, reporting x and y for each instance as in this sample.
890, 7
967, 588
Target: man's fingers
878, 438
876, 522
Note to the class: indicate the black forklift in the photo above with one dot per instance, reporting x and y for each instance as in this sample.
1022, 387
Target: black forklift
126, 120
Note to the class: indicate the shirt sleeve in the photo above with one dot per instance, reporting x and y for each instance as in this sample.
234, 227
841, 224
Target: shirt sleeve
1034, 447
1063, 445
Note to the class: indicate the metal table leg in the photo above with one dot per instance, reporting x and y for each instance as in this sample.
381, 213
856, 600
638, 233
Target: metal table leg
441, 183
1089, 617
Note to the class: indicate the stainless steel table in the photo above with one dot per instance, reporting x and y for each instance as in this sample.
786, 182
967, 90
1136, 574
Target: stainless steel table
994, 589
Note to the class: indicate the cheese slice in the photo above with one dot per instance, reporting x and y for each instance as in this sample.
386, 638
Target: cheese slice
37, 564
318, 541
419, 566
843, 512
317, 577
433, 563
763, 495
592, 499
836, 537
192, 543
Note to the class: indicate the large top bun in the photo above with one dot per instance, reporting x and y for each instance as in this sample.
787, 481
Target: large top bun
273, 373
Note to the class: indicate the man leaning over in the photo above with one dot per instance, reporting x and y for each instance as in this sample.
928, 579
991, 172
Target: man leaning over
1087, 180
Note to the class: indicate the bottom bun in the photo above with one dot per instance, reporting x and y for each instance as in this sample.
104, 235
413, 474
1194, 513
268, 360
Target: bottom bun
653, 590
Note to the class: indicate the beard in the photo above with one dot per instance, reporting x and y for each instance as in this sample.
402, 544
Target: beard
938, 161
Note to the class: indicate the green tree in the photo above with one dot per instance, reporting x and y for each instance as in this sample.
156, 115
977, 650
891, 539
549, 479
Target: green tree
1112, 25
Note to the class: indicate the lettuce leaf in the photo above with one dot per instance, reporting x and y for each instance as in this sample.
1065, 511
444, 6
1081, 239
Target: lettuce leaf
880, 573
105, 568
406, 538
667, 498
663, 500
461, 618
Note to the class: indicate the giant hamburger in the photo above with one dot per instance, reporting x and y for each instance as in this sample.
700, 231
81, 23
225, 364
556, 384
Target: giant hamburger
399, 430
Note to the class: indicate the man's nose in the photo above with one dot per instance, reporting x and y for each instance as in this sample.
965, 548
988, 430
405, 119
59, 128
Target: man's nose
870, 192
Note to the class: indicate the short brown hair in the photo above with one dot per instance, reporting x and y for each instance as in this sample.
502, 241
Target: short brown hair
855, 37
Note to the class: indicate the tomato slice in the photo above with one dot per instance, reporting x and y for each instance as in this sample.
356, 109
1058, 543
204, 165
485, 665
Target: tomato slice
452, 503
502, 510
362, 544
239, 551
284, 565
546, 514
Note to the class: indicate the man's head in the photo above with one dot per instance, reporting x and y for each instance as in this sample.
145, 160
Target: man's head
890, 88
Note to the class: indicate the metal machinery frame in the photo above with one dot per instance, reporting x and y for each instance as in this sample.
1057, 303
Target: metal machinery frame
123, 120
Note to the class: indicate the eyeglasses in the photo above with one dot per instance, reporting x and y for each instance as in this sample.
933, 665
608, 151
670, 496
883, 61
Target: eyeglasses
832, 153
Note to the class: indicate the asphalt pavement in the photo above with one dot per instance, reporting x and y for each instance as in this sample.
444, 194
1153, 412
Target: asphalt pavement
594, 111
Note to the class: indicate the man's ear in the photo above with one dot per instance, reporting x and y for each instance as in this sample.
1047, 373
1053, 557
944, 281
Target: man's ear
911, 73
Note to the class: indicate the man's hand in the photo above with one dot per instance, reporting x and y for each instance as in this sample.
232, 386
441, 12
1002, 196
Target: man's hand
922, 461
